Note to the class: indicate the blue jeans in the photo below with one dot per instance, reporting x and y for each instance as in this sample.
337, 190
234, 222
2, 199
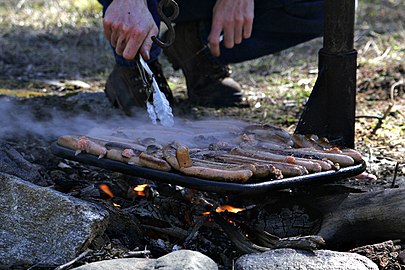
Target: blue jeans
278, 25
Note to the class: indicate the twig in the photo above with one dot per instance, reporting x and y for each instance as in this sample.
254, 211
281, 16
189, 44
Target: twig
369, 116
137, 254
380, 121
78, 258
395, 175
195, 229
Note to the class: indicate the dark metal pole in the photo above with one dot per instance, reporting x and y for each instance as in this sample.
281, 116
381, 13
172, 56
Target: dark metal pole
338, 26
330, 110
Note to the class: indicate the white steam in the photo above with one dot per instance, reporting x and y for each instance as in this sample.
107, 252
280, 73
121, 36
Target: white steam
19, 120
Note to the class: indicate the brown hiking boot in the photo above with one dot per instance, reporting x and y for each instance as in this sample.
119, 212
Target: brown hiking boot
208, 81
126, 89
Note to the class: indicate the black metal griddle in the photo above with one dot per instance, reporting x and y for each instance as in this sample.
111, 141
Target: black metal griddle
246, 189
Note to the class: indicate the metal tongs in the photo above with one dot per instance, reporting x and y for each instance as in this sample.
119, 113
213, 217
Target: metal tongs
157, 105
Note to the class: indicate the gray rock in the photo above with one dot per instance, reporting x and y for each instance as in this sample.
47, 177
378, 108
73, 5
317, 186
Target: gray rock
40, 225
177, 260
120, 264
185, 260
304, 260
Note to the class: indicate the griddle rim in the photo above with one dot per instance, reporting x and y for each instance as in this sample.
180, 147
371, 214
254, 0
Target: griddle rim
247, 189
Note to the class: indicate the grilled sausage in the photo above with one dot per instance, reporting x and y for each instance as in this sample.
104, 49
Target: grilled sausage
153, 162
87, 145
309, 165
169, 154
286, 169
116, 154
183, 156
343, 160
239, 176
346, 151
68, 141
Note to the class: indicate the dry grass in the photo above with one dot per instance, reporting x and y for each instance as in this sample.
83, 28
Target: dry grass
63, 40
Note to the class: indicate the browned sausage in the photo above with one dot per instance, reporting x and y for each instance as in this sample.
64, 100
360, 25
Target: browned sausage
341, 159
183, 156
169, 154
309, 165
240, 176
286, 169
68, 141
153, 162
87, 145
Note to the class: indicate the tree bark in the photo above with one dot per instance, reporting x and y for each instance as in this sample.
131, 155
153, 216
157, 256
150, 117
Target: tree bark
369, 217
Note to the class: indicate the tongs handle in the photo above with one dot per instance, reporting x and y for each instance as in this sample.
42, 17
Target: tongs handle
168, 21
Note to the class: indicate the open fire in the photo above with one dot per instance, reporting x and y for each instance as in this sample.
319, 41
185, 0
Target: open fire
140, 190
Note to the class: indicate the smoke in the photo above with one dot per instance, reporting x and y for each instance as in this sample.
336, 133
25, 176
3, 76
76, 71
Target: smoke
20, 119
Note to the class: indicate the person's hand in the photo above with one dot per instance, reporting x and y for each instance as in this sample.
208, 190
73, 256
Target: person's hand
129, 26
233, 19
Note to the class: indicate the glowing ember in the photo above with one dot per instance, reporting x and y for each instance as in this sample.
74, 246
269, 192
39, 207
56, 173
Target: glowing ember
140, 189
106, 190
228, 208
116, 204
224, 208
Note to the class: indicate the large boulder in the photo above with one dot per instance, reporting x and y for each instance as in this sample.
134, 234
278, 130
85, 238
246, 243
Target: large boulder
292, 259
40, 225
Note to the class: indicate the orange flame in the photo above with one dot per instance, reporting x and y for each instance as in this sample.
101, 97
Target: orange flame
140, 189
106, 190
228, 208
224, 208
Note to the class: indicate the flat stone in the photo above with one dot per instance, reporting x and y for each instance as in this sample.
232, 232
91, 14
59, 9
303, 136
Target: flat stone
40, 225
304, 260
176, 260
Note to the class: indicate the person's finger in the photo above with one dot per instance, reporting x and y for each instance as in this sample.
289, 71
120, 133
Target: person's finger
131, 49
238, 30
114, 35
107, 29
229, 36
247, 27
122, 39
120, 45
214, 38
147, 45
